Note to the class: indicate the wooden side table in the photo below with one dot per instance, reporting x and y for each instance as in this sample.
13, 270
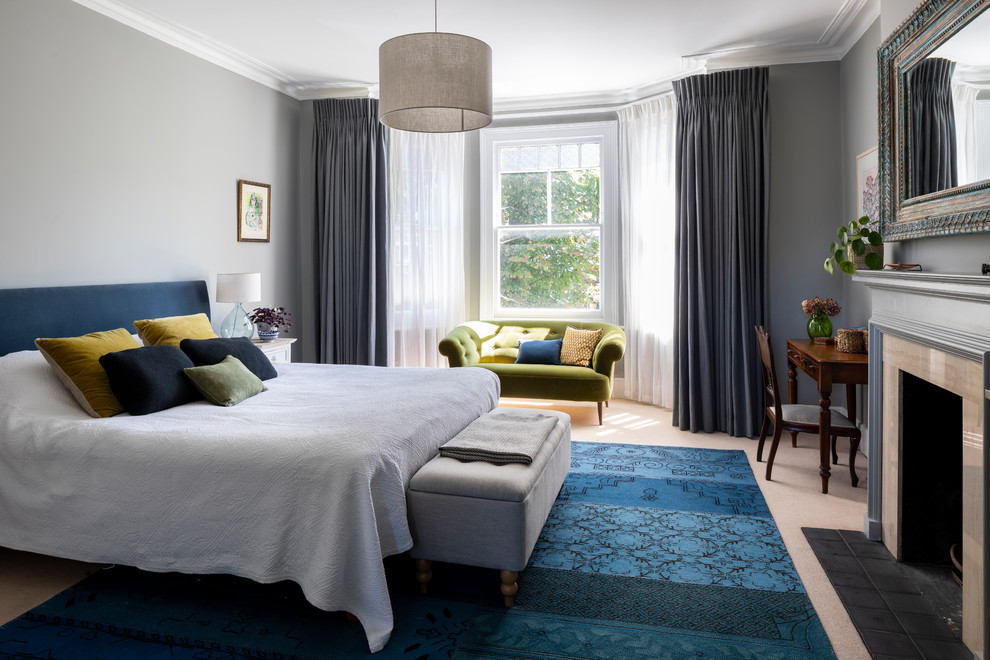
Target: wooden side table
827, 365
278, 350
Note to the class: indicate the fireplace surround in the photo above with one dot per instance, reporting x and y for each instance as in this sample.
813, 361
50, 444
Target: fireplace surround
934, 327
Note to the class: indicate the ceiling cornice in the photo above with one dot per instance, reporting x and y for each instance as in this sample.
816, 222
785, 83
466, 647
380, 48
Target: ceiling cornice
196, 44
850, 23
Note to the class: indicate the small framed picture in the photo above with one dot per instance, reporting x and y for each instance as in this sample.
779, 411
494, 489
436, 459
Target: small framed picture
868, 185
253, 218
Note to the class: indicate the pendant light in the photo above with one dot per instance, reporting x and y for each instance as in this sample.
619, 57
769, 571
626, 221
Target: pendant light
435, 82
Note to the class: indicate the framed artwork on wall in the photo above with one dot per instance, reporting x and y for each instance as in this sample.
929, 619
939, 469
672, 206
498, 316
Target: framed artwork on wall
253, 206
868, 185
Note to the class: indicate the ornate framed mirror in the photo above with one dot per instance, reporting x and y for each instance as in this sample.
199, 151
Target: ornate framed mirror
934, 87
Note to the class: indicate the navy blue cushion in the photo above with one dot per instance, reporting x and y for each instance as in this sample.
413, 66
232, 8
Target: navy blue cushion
539, 351
212, 351
149, 378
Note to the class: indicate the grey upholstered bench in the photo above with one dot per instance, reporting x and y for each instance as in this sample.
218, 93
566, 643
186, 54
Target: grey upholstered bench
479, 514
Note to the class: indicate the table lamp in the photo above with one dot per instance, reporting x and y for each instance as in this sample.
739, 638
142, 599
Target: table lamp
238, 288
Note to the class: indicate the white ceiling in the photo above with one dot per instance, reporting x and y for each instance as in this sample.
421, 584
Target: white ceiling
546, 53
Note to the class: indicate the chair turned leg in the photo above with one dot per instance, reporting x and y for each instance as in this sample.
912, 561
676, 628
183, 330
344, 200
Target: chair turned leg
835, 454
853, 449
509, 587
424, 573
763, 437
599, 413
793, 438
773, 449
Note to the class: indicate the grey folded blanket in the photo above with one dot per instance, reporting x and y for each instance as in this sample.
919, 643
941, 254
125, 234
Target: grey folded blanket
500, 438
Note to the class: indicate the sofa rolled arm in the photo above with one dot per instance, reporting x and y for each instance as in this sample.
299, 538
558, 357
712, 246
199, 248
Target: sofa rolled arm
610, 350
461, 346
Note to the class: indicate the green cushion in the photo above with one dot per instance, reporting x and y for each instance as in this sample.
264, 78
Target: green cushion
546, 381
225, 383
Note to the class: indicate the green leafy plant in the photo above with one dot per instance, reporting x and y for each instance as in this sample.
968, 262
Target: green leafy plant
856, 236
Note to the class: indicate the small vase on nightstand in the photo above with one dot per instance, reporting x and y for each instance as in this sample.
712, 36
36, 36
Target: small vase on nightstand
265, 333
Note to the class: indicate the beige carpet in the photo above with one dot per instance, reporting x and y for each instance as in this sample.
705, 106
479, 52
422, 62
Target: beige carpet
794, 497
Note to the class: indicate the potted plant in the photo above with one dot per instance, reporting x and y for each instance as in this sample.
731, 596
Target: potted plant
270, 320
859, 238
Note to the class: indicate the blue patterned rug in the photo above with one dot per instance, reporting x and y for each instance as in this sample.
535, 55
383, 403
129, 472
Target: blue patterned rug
649, 552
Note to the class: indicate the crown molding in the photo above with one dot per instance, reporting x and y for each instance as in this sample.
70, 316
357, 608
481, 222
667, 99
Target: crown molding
196, 44
850, 23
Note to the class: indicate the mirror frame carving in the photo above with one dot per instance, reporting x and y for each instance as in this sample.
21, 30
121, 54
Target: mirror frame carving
960, 210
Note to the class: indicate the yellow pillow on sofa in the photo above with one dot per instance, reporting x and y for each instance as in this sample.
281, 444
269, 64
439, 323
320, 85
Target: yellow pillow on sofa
578, 347
173, 329
76, 361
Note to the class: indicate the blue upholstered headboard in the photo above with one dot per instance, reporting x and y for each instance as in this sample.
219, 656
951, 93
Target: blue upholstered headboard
68, 311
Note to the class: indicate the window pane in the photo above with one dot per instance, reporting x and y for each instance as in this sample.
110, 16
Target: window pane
528, 158
548, 157
508, 159
569, 156
549, 268
590, 155
524, 198
575, 196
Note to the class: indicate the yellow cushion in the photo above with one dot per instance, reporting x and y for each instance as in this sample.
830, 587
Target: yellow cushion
504, 346
578, 346
173, 329
76, 361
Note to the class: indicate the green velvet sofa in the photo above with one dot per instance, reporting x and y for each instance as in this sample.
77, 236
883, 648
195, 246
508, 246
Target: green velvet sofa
494, 345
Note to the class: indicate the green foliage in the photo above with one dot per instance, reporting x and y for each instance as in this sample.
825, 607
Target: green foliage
524, 198
550, 269
856, 235
576, 196
546, 266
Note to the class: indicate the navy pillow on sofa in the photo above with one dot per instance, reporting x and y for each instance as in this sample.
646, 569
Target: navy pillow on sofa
149, 378
539, 351
205, 352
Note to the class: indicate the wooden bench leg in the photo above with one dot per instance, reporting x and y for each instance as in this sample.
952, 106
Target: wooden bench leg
509, 587
424, 573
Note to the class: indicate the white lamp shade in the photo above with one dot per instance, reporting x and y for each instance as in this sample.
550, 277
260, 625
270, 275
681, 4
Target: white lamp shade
238, 287
435, 82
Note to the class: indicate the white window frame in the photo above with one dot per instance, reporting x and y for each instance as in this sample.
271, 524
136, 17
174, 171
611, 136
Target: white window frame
606, 133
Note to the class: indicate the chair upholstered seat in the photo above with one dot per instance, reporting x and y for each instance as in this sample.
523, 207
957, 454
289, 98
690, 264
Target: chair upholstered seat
801, 413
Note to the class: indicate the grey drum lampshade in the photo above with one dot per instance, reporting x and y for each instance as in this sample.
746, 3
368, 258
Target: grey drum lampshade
435, 82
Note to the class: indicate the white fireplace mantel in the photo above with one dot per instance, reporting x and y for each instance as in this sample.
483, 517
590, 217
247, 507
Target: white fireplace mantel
937, 326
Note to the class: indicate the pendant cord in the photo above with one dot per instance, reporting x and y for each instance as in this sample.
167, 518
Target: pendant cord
435, 15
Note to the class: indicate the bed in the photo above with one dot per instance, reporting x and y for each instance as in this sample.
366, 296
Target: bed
306, 481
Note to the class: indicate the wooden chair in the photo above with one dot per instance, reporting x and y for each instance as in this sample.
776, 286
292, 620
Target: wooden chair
797, 418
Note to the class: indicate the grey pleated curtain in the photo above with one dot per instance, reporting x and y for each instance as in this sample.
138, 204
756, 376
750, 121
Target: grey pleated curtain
722, 180
932, 140
351, 251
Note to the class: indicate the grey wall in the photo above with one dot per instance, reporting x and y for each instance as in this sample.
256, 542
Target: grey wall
805, 201
121, 156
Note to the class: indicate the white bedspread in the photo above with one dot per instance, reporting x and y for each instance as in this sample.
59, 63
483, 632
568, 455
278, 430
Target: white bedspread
304, 482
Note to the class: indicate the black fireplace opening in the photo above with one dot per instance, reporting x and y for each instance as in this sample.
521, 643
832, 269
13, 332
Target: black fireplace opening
931, 472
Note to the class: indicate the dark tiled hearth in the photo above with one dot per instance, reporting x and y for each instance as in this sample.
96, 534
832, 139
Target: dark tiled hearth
900, 610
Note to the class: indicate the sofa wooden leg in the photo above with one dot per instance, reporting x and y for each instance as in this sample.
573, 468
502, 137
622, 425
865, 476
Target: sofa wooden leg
509, 587
424, 573
599, 413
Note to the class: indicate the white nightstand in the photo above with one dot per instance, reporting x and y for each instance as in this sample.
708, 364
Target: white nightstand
278, 350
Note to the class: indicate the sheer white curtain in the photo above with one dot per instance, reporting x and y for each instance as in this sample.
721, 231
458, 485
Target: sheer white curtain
964, 109
646, 186
426, 245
